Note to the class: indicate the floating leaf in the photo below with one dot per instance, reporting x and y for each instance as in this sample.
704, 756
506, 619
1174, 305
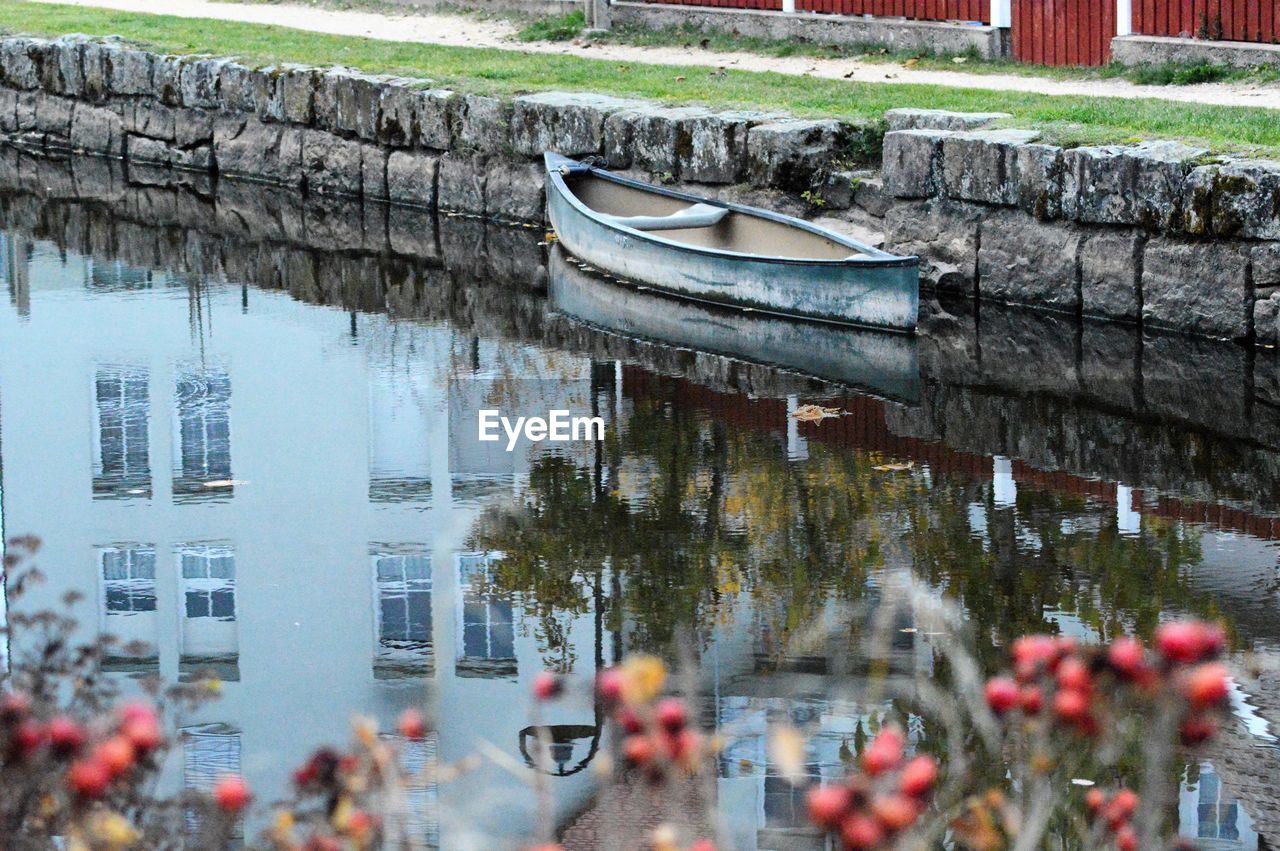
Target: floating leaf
812, 413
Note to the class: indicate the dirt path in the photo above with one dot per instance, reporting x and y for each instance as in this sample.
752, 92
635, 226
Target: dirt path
471, 31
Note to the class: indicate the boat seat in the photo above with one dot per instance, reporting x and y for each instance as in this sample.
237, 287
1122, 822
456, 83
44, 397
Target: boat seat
693, 216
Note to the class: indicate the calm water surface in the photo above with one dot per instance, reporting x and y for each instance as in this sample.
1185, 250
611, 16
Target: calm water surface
273, 477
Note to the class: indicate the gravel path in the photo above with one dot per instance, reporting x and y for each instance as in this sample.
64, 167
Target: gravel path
471, 31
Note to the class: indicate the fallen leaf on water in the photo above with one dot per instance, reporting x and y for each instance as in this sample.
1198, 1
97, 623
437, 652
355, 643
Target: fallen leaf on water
811, 413
894, 468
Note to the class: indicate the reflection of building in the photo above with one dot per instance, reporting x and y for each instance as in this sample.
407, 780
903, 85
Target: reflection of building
321, 573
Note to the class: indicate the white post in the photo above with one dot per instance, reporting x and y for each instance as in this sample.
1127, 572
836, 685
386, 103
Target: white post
1001, 13
1128, 521
1006, 489
1124, 17
789, 6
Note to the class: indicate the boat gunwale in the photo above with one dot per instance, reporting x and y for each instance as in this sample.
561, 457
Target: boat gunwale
879, 259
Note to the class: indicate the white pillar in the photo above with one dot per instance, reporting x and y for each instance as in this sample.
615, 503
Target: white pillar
797, 446
1006, 490
1001, 13
1124, 17
1128, 521
788, 5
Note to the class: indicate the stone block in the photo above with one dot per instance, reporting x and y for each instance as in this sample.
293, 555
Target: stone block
1109, 264
1236, 199
397, 115
1199, 381
794, 156
1266, 265
1038, 171
250, 148
912, 166
940, 119
53, 115
656, 139
332, 165
148, 118
981, 165
1024, 261
462, 183
411, 178
20, 60
95, 63
1201, 287
718, 147
522, 198
68, 54
1110, 360
565, 122
373, 172
146, 151
193, 127
359, 100
1138, 185
97, 130
130, 72
1266, 320
198, 81
166, 79
415, 117
944, 234
236, 89
483, 124
435, 112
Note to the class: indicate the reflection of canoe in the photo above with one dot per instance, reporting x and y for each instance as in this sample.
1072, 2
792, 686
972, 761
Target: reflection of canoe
884, 364
713, 251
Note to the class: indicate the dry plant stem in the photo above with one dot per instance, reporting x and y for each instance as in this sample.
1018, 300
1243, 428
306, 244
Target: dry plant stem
545, 828
1155, 785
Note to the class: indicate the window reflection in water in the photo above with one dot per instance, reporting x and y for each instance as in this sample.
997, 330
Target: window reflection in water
202, 438
121, 456
403, 614
417, 758
210, 752
210, 638
128, 600
487, 646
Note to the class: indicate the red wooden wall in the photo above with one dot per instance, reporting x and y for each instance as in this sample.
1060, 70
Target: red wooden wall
1232, 20
1063, 32
918, 10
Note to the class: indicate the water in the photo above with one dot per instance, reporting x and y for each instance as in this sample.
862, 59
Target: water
245, 438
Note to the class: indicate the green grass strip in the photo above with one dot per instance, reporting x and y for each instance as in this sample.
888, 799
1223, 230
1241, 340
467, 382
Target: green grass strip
1066, 119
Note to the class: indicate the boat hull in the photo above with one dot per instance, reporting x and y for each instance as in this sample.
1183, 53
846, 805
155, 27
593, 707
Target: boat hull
884, 294
886, 365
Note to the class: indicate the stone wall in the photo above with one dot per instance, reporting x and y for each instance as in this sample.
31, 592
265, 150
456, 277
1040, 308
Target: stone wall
339, 132
1156, 233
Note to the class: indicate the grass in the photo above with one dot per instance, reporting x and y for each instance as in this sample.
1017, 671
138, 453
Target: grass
554, 28
492, 71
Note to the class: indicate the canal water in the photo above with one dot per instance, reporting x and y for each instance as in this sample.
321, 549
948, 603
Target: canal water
250, 444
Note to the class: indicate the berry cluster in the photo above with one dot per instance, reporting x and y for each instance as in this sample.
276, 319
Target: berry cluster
878, 803
1058, 674
1116, 814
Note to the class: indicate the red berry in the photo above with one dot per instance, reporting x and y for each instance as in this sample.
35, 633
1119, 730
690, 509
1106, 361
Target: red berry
609, 685
638, 750
89, 779
318, 842
1073, 674
65, 735
894, 812
546, 685
231, 794
918, 776
828, 805
411, 725
360, 823
27, 739
139, 711
1127, 656
1120, 808
1071, 705
1002, 694
1206, 685
629, 720
860, 832
671, 715
1031, 700
1196, 730
1094, 800
884, 753
116, 755
144, 735
1180, 642
1127, 838
1035, 649
703, 845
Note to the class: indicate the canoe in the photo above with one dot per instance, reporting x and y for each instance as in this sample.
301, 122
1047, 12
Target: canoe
710, 250
868, 360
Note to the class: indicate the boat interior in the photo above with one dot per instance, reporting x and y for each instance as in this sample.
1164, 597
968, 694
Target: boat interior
703, 225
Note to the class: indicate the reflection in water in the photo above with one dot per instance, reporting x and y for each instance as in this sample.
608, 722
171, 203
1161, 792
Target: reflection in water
362, 533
